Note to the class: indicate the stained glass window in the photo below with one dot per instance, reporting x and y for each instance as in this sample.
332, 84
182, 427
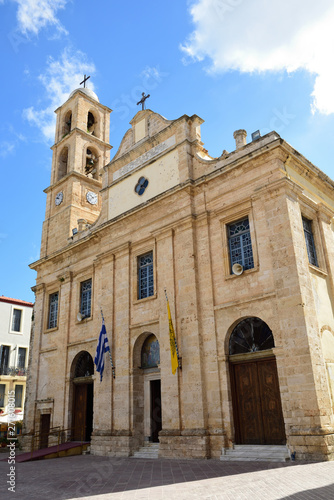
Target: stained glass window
141, 186
86, 298
309, 240
53, 310
150, 353
145, 276
251, 335
240, 244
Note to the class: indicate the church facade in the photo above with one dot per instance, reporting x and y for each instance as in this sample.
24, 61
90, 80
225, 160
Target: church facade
243, 245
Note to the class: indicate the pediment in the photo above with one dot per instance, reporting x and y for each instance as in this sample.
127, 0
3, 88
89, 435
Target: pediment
144, 125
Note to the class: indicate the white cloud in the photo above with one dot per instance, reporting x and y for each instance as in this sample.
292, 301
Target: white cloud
258, 36
59, 79
33, 15
6, 147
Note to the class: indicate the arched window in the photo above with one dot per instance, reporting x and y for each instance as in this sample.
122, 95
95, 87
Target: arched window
92, 161
251, 335
91, 124
84, 366
67, 123
62, 163
150, 353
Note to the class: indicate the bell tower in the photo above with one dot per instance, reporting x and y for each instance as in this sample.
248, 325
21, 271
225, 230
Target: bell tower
80, 152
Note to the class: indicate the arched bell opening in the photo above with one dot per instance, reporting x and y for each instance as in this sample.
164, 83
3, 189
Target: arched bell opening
92, 124
82, 389
63, 163
91, 163
67, 125
147, 418
256, 400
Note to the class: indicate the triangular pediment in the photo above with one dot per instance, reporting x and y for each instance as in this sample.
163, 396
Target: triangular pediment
144, 125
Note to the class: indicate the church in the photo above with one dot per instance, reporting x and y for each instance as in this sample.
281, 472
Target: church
243, 246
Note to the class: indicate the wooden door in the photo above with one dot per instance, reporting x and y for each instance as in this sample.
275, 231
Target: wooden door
156, 422
256, 403
45, 429
79, 412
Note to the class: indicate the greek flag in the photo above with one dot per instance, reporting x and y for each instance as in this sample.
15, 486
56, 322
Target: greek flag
102, 347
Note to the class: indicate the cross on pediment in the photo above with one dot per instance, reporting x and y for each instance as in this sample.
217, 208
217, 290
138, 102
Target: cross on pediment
142, 100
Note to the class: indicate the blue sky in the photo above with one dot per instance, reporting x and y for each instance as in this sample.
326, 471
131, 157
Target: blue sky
235, 63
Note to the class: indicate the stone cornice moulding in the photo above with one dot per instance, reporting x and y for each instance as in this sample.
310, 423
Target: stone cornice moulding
100, 142
73, 173
38, 288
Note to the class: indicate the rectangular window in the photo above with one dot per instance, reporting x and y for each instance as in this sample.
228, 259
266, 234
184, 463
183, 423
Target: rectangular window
86, 298
18, 396
53, 310
21, 360
2, 395
4, 359
16, 320
145, 276
309, 240
240, 244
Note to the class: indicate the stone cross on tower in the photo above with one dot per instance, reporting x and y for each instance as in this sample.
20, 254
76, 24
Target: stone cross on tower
84, 80
142, 100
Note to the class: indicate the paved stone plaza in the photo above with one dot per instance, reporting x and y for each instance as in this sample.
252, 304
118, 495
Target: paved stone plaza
102, 478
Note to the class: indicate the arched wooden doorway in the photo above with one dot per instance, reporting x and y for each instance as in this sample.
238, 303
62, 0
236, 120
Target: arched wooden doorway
256, 400
82, 385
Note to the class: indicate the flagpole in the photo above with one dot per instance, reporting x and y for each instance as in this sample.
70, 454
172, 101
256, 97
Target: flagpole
176, 348
112, 364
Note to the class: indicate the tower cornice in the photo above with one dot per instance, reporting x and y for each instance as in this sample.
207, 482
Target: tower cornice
85, 134
74, 173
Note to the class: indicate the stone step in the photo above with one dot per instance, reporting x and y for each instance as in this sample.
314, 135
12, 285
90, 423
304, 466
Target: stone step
270, 453
149, 450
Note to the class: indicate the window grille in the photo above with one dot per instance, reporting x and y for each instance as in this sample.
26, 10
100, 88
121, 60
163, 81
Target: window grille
145, 276
16, 321
53, 310
240, 244
309, 240
86, 298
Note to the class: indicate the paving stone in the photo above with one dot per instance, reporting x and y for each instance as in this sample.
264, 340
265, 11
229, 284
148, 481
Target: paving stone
104, 478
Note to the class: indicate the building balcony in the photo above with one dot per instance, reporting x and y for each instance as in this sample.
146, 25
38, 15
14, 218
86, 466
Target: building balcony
13, 371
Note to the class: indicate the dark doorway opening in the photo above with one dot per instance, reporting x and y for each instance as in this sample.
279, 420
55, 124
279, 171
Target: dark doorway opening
45, 429
156, 421
257, 405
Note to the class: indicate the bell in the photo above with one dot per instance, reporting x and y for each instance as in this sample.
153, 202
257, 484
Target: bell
90, 162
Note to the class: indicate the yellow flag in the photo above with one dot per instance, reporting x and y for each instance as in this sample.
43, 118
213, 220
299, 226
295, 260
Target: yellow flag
173, 351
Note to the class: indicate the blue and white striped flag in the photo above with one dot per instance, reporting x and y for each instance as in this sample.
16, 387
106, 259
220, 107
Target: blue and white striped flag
102, 347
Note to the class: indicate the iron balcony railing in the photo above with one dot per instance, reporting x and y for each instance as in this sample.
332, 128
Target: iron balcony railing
14, 371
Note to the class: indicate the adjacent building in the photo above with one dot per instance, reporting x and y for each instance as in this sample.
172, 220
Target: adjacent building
15, 327
243, 244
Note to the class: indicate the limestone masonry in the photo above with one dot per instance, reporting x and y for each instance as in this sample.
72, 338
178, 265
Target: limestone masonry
243, 245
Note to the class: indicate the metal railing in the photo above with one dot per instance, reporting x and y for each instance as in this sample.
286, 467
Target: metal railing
14, 371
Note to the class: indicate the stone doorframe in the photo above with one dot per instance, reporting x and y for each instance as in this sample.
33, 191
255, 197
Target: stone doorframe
149, 374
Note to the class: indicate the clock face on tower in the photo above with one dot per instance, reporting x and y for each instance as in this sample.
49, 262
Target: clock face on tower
59, 198
91, 197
